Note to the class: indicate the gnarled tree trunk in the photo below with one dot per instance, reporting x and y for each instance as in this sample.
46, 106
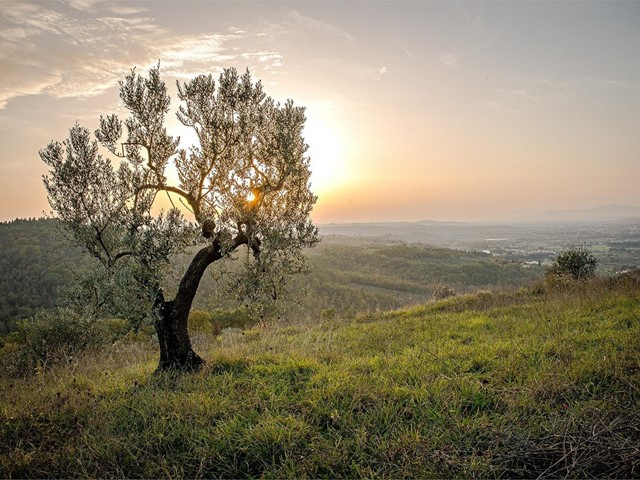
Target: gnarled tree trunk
172, 316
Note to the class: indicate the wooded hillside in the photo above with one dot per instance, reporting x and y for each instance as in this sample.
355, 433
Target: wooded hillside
348, 274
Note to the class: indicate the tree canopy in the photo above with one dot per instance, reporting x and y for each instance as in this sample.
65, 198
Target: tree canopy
577, 263
246, 183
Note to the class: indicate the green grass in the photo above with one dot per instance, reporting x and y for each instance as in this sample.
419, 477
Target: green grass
490, 385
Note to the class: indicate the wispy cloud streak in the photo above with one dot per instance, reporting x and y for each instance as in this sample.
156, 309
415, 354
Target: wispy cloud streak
82, 48
531, 94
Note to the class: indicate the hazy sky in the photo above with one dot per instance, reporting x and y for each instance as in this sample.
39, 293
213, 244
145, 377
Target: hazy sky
416, 110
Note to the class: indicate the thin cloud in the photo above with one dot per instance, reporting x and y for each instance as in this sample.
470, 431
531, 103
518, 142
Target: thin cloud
83, 5
64, 35
410, 51
354, 70
197, 48
533, 93
93, 53
17, 33
122, 10
524, 95
310, 23
474, 38
604, 82
14, 84
530, 96
262, 57
449, 60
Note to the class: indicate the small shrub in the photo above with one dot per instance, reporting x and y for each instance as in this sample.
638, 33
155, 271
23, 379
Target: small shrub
629, 280
441, 291
200, 321
573, 264
51, 338
215, 321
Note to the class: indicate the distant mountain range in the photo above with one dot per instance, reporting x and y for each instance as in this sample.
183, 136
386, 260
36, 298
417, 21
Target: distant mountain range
554, 229
606, 213
603, 213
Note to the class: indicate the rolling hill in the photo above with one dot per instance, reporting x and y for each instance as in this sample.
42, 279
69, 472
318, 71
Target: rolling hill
348, 275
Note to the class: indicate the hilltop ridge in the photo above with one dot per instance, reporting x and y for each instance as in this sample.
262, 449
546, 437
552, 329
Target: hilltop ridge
602, 213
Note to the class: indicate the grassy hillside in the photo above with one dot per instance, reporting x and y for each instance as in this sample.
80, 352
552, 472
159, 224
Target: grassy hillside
524, 384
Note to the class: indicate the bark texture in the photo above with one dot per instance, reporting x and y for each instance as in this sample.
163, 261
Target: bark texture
172, 316
171, 325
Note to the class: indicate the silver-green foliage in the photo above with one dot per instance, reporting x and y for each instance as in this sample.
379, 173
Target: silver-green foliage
575, 263
245, 183
54, 337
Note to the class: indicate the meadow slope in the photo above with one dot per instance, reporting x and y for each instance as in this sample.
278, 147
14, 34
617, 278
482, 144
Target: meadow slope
522, 384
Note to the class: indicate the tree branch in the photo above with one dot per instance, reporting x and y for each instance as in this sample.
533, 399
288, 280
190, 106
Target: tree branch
120, 255
104, 247
193, 202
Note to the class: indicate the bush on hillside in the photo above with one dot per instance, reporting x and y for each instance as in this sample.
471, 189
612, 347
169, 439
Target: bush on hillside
217, 320
442, 291
573, 264
55, 337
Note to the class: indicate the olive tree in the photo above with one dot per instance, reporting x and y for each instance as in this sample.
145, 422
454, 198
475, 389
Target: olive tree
576, 263
245, 183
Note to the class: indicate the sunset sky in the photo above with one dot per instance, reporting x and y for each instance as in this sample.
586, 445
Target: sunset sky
416, 110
